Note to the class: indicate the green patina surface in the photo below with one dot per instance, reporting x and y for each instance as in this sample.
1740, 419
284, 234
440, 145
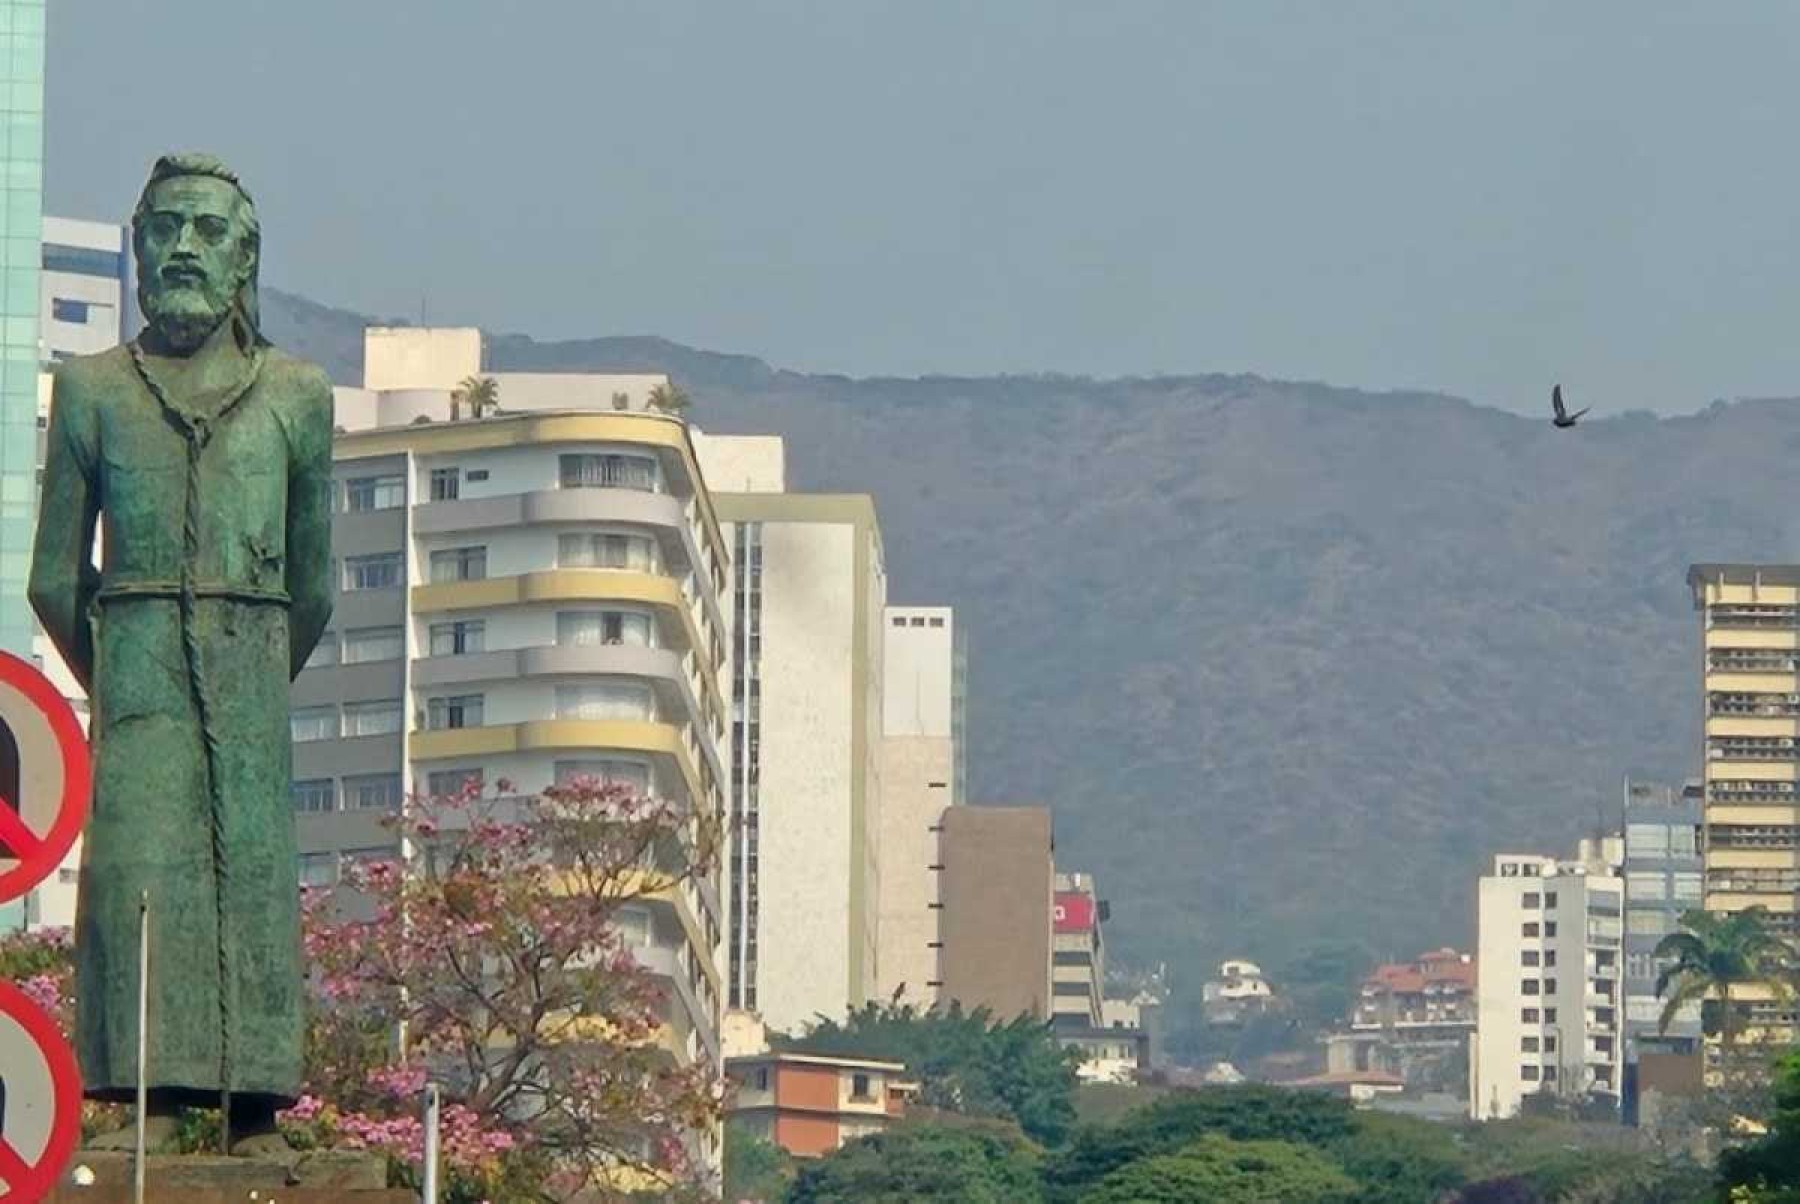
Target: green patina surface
206, 455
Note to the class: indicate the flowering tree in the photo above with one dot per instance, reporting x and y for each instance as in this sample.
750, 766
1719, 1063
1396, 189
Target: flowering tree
492, 958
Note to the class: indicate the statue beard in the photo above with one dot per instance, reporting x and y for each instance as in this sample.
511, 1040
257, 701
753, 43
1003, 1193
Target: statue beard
185, 315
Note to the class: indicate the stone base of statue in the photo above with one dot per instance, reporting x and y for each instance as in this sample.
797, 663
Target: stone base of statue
313, 1178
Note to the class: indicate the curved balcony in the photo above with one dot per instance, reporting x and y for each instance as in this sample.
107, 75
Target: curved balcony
659, 740
664, 513
576, 585
664, 667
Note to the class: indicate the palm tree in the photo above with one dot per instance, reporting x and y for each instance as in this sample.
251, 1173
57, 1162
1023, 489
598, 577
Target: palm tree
480, 393
1715, 952
670, 398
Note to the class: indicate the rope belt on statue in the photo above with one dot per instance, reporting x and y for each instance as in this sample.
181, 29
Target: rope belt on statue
120, 590
198, 430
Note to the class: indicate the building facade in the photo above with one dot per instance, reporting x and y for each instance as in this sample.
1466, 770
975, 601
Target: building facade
1663, 879
921, 775
1750, 672
85, 300
531, 596
1548, 1013
805, 784
809, 1105
996, 911
21, 254
1077, 954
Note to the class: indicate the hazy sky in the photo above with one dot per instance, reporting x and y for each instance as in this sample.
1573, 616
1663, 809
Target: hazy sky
1474, 198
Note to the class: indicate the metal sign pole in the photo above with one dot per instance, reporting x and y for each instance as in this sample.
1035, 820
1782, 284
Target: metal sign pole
143, 1038
429, 1194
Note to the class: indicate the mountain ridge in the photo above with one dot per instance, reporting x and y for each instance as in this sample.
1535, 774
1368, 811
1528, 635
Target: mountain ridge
1290, 661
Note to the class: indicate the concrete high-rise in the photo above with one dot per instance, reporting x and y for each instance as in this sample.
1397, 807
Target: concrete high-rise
21, 224
996, 901
1750, 640
806, 697
1078, 954
922, 745
85, 302
531, 595
1547, 980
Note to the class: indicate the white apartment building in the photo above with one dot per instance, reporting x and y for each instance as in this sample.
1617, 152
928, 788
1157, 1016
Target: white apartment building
807, 612
1548, 1010
923, 667
530, 595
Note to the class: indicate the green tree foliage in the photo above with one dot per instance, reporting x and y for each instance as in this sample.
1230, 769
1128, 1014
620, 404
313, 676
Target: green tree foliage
964, 1061
480, 393
1176, 1121
1321, 983
670, 398
972, 1165
1399, 1160
1768, 1171
755, 1169
1222, 1171
1715, 952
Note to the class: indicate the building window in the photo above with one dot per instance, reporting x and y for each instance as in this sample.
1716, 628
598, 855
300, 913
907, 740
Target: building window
1644, 886
899, 620
1529, 986
372, 718
1528, 1016
364, 644
1528, 1044
634, 774
384, 570
1530, 901
1549, 958
314, 794
456, 710
608, 471
459, 564
1528, 957
447, 783
1549, 928
446, 484
476, 474
63, 310
606, 700
373, 792
1530, 929
759, 1079
1549, 1015
1687, 887
318, 869
937, 622
1550, 900
607, 550
460, 638
1647, 840
1529, 1073
83, 261
312, 723
859, 1087
1643, 921
324, 652
580, 628
374, 493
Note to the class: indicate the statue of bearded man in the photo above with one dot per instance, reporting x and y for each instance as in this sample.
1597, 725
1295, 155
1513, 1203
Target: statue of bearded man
207, 455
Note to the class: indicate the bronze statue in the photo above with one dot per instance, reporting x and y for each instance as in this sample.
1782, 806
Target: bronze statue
207, 455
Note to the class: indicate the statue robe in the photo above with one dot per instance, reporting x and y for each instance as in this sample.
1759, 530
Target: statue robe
215, 586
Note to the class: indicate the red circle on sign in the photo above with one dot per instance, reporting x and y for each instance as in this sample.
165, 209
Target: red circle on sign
46, 852
26, 1181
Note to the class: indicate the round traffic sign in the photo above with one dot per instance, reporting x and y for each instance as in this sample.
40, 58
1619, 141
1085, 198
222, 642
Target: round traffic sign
41, 1122
55, 777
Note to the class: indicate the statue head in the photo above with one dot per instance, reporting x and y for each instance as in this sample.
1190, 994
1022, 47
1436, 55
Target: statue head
198, 245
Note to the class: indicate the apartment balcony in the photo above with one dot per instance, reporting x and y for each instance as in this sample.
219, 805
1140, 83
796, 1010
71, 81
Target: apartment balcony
673, 520
665, 962
590, 586
669, 670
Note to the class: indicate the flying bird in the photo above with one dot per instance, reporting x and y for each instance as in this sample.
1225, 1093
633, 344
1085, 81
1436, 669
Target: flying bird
1563, 417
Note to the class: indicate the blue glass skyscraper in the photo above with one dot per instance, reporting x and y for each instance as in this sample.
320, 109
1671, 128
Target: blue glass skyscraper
21, 226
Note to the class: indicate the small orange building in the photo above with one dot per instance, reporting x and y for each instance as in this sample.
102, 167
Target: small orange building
810, 1104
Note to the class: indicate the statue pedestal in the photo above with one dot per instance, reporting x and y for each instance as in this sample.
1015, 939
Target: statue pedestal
314, 1178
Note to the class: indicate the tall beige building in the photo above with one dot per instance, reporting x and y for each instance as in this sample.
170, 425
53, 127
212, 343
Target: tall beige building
806, 697
529, 595
1750, 636
923, 688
